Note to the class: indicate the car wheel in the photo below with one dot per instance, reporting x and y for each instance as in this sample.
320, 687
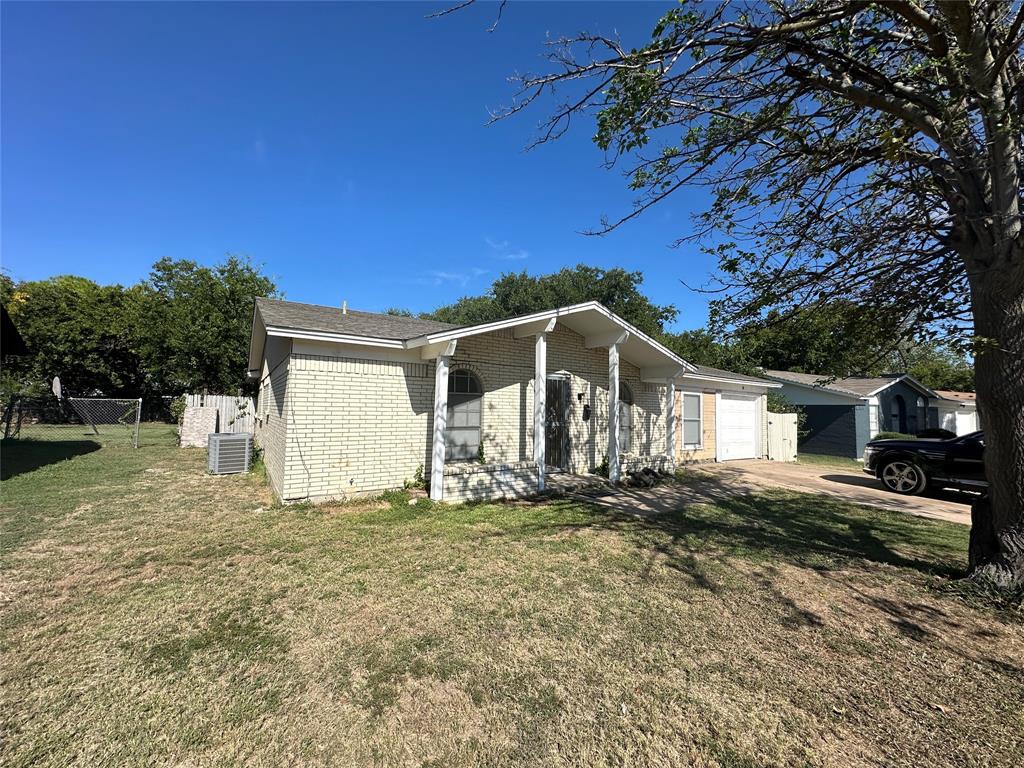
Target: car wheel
903, 476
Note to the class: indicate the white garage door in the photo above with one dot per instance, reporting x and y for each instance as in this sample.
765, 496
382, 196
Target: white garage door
737, 427
966, 422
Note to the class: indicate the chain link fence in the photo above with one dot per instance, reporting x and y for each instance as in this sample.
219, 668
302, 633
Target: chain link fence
75, 418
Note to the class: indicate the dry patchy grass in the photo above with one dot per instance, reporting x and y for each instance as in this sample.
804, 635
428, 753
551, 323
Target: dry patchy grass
153, 614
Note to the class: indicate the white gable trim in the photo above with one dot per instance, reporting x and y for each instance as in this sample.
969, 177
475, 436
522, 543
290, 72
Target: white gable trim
914, 383
537, 318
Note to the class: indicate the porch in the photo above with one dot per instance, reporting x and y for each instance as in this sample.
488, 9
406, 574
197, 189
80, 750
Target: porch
598, 392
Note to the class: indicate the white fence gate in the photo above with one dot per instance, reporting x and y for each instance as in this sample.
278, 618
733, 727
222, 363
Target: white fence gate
234, 414
781, 436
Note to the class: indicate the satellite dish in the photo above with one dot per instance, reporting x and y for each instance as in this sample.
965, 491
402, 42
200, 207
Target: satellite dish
56, 387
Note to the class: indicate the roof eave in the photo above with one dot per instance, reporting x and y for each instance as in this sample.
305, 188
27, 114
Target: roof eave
254, 359
727, 380
453, 334
819, 388
331, 336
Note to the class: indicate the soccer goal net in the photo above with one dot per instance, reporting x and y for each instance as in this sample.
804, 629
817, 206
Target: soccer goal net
74, 418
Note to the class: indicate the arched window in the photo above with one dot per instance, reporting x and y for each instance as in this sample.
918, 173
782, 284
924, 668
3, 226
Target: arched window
625, 418
465, 396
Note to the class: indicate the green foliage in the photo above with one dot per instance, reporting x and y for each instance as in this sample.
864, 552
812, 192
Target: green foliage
195, 322
418, 480
80, 331
703, 347
779, 403
480, 456
178, 408
602, 468
398, 312
939, 367
840, 339
185, 328
519, 294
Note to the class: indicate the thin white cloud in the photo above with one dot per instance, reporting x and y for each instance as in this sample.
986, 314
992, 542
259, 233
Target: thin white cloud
502, 249
441, 277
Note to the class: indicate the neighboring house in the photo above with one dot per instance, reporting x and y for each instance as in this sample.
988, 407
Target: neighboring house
355, 403
843, 414
958, 411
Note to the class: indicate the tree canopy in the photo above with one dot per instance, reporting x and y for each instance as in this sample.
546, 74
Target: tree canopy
186, 328
520, 294
866, 151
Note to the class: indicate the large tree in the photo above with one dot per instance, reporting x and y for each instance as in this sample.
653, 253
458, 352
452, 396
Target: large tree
869, 151
74, 329
195, 322
517, 293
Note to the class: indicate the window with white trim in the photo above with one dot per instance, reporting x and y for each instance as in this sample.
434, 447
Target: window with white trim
462, 433
693, 421
625, 417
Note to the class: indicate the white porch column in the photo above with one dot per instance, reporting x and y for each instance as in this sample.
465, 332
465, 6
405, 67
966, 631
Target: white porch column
613, 412
540, 391
670, 426
440, 422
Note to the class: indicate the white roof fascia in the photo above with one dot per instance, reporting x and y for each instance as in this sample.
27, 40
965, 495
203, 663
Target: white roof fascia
254, 372
499, 325
723, 380
341, 338
913, 382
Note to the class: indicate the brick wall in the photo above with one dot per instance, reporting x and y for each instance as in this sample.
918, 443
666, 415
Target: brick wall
196, 425
505, 366
272, 422
708, 451
355, 426
471, 482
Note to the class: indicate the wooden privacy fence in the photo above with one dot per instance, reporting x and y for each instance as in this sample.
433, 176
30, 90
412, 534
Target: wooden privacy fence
782, 436
234, 414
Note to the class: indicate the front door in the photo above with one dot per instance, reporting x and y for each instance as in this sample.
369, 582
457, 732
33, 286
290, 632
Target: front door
556, 443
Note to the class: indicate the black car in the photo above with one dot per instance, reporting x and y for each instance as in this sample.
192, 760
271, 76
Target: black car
910, 466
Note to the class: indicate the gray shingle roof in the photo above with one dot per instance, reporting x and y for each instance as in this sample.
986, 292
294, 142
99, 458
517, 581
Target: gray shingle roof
860, 386
718, 373
312, 317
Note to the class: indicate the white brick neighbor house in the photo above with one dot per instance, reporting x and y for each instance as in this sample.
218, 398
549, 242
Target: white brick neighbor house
356, 403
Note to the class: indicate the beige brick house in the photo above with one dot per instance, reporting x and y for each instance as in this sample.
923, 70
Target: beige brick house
355, 403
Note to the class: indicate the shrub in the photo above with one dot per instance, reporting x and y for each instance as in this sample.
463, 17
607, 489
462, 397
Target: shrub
178, 408
418, 481
778, 403
893, 436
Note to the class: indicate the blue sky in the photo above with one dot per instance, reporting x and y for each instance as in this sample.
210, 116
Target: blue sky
343, 146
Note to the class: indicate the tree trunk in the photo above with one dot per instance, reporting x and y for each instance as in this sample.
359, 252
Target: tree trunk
997, 530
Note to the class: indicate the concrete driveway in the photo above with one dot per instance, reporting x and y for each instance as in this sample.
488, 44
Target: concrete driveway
846, 484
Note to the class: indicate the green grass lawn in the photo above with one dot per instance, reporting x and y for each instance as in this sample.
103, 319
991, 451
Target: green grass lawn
822, 460
156, 615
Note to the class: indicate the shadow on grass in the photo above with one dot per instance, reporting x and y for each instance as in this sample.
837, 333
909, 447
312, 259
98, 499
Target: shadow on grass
808, 530
20, 456
945, 494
